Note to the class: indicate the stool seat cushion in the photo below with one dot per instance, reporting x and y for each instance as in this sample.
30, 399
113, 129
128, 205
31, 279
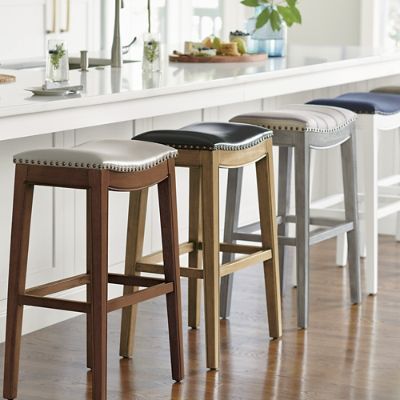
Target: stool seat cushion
387, 89
365, 102
301, 118
209, 136
115, 155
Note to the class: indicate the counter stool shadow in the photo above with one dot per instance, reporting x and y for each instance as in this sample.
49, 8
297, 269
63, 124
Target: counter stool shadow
298, 129
135, 166
204, 148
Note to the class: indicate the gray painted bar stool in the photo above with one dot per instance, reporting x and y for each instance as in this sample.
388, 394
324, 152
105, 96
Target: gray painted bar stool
298, 129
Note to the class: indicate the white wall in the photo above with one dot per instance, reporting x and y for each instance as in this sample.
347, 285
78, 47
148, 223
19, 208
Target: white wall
327, 22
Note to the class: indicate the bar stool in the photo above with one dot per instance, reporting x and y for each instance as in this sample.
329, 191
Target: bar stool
301, 128
377, 112
204, 148
96, 167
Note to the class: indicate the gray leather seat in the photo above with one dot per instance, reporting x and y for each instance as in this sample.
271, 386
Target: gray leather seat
115, 155
209, 136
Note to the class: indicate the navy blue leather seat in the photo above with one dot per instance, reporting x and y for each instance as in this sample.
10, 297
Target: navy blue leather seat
209, 136
364, 102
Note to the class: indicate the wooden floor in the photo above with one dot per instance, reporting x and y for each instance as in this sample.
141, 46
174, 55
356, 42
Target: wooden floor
347, 353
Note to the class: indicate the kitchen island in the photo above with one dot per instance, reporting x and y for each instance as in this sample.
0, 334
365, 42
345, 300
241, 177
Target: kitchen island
119, 103
113, 95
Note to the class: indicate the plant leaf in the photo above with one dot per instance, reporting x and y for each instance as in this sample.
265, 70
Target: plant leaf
263, 18
291, 3
287, 15
276, 20
250, 3
296, 14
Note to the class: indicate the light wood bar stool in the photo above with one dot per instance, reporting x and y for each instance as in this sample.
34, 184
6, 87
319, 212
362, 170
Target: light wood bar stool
204, 148
97, 167
298, 129
378, 111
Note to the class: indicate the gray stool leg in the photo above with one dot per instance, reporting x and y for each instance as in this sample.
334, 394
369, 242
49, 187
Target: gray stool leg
348, 150
302, 186
233, 193
284, 185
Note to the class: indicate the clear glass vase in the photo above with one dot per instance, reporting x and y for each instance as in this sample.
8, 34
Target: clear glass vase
57, 66
151, 53
265, 39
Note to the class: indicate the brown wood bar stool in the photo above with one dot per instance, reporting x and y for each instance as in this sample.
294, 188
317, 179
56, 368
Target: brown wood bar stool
204, 148
97, 167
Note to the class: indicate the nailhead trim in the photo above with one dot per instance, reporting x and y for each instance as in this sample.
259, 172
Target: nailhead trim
110, 167
276, 128
225, 146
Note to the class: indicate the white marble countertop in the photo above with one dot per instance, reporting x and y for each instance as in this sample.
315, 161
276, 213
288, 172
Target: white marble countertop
304, 68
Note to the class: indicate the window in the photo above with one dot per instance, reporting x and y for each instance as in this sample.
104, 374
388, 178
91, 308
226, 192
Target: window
392, 26
206, 18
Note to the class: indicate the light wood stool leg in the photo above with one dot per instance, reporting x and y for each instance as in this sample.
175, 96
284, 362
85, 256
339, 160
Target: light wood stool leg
134, 250
232, 209
195, 256
302, 167
23, 196
169, 229
349, 169
210, 206
266, 200
98, 194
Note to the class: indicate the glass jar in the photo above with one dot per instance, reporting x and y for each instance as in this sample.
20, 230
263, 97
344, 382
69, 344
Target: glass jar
265, 39
57, 66
151, 52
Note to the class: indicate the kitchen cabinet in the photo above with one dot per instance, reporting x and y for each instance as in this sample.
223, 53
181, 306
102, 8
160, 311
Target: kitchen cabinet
22, 29
73, 21
26, 25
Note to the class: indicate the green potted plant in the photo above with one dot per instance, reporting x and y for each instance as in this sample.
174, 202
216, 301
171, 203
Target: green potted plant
151, 46
269, 24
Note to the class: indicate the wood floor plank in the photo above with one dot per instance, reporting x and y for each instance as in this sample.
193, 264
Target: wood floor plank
347, 353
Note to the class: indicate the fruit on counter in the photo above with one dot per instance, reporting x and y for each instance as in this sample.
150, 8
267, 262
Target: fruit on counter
241, 44
217, 44
207, 42
230, 49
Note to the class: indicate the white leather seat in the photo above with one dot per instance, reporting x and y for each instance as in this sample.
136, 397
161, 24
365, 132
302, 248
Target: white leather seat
301, 118
115, 155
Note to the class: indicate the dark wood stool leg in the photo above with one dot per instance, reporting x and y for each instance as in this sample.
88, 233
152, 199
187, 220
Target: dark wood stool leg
232, 208
302, 186
349, 170
98, 195
170, 242
266, 200
284, 186
210, 206
23, 196
195, 256
134, 250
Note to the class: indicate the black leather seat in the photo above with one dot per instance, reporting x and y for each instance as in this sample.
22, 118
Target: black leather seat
209, 136
364, 102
